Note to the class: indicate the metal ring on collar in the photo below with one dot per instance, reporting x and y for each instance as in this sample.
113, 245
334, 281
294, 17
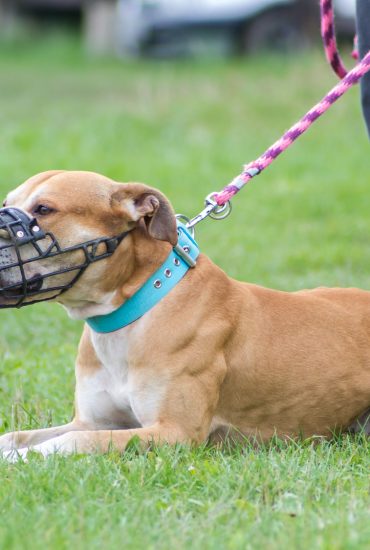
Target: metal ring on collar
185, 220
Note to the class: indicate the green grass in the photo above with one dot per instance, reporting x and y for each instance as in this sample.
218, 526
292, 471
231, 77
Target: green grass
186, 128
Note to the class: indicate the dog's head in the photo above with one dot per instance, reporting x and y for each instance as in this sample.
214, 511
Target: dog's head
60, 230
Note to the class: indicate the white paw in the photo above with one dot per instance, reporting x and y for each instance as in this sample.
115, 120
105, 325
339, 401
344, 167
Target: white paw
7, 442
15, 455
64, 444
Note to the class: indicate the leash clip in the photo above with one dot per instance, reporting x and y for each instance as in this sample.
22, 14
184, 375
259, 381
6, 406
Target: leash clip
212, 209
218, 212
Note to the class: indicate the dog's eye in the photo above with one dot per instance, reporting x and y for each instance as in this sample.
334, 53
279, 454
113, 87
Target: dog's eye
42, 210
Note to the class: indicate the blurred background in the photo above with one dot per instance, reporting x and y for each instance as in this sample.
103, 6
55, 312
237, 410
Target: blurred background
177, 28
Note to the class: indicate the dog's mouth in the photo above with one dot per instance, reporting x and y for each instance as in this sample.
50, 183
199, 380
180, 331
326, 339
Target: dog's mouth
32, 287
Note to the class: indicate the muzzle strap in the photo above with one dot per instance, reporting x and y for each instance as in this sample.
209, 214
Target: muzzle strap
20, 226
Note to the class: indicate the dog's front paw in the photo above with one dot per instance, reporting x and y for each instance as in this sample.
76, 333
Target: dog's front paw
50, 447
69, 443
15, 455
65, 444
8, 442
62, 445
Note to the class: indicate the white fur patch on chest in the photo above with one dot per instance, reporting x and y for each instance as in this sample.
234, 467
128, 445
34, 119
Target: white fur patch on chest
115, 396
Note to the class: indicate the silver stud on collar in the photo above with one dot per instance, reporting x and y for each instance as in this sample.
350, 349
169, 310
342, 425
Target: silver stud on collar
157, 283
176, 261
168, 273
35, 229
186, 249
20, 234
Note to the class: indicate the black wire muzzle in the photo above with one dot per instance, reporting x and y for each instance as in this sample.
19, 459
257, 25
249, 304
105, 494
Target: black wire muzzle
22, 242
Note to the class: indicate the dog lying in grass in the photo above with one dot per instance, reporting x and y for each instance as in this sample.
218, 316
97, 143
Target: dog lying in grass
212, 357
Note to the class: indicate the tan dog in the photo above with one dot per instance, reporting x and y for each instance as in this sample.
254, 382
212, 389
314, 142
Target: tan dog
214, 355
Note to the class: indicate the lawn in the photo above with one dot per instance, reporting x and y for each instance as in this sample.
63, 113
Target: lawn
186, 128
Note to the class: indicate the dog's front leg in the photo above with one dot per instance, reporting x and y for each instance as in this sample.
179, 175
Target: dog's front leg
184, 416
30, 438
102, 441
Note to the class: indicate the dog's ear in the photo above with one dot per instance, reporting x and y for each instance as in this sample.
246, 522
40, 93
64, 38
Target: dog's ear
141, 202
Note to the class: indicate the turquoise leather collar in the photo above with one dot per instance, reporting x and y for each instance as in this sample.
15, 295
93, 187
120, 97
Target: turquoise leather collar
182, 257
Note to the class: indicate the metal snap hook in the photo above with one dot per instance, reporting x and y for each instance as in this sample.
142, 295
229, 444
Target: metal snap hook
211, 209
218, 212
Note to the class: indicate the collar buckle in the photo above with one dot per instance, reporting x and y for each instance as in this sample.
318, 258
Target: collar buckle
184, 255
186, 245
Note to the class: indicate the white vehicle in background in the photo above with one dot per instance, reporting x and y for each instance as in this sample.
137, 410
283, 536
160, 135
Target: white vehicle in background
346, 13
345, 8
168, 28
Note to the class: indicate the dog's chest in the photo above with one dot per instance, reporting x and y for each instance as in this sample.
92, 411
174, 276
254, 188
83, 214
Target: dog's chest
113, 396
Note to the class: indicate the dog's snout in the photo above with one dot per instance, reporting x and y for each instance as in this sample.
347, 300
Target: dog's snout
9, 272
6, 255
4, 234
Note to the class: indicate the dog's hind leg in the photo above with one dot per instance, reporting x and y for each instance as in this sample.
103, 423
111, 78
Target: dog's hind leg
18, 440
361, 424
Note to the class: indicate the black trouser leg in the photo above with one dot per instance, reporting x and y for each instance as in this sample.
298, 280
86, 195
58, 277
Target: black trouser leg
363, 30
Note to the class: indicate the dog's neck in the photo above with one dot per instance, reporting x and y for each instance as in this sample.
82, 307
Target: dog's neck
134, 262
80, 310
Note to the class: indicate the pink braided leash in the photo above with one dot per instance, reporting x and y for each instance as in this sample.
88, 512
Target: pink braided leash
256, 167
329, 39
